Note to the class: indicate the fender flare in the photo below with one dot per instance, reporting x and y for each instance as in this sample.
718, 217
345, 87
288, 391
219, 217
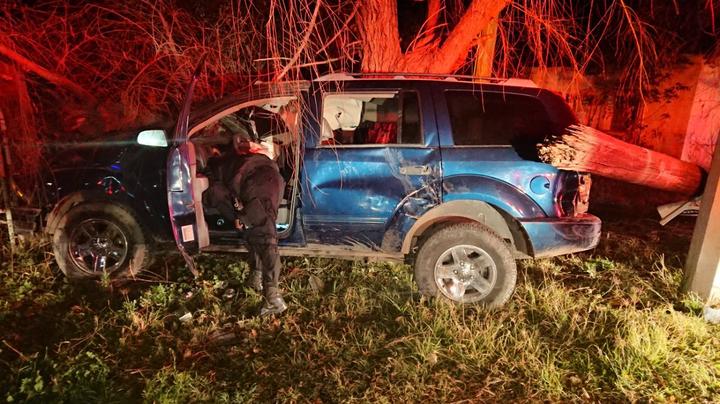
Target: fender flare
73, 199
470, 210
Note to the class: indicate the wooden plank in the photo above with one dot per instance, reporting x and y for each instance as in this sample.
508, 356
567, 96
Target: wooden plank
702, 268
585, 149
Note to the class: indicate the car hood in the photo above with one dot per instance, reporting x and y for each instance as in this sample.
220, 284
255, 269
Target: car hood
92, 153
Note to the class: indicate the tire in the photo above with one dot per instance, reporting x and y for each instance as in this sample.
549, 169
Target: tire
100, 241
466, 263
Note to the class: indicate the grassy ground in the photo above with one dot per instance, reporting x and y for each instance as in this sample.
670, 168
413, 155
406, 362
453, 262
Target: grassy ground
608, 325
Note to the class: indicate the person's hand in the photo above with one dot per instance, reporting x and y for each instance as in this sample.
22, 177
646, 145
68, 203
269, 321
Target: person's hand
239, 225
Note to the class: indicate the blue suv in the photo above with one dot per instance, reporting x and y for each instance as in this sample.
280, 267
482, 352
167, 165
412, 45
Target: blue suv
439, 172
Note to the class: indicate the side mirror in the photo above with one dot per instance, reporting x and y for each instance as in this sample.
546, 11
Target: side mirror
152, 138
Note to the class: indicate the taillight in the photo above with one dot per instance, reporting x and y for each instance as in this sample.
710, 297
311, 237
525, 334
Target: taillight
573, 197
583, 194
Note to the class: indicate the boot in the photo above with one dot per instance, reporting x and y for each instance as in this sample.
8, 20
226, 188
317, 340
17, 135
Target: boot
254, 281
274, 303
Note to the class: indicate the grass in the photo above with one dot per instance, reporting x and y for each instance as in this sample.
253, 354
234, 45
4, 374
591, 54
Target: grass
607, 325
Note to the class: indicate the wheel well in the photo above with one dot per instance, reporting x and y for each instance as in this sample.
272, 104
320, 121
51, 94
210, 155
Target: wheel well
77, 198
491, 216
441, 224
519, 237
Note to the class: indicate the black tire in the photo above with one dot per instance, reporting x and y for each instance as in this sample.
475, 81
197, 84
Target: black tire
90, 231
462, 256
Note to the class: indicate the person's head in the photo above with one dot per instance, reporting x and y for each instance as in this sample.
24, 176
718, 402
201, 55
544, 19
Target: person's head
241, 144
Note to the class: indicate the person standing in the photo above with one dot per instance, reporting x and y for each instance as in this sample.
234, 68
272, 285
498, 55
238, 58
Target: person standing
251, 182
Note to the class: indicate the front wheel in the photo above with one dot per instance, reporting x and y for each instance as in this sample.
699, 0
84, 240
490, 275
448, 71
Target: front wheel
97, 241
466, 263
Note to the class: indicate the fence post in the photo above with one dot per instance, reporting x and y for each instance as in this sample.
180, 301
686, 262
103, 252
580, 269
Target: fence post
702, 269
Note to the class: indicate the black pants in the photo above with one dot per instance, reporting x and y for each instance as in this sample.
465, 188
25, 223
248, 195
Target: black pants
265, 258
261, 195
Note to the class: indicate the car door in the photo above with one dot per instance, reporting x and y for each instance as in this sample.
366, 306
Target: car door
214, 130
374, 164
184, 189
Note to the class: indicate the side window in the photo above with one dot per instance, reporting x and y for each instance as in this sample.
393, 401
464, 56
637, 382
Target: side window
488, 119
376, 118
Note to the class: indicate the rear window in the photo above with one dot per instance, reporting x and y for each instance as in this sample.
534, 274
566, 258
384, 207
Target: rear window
497, 119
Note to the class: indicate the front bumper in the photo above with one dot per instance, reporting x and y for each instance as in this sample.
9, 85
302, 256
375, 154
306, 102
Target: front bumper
557, 236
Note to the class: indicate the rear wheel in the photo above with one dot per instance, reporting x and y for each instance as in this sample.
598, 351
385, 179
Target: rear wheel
100, 241
466, 263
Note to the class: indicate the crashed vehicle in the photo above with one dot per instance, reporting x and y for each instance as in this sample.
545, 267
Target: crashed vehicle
438, 172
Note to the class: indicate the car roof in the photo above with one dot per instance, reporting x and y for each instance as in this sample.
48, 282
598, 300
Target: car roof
448, 78
262, 89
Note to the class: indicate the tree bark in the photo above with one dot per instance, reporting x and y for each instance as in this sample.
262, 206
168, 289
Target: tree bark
585, 149
378, 26
486, 51
380, 36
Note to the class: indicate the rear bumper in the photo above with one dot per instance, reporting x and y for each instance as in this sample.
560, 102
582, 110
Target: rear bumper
557, 236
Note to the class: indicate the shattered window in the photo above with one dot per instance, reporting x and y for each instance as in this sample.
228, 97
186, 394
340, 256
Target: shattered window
371, 119
488, 119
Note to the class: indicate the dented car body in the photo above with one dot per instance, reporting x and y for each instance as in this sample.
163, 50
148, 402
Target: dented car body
437, 173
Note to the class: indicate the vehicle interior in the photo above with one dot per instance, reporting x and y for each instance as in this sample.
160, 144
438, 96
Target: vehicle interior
272, 125
390, 117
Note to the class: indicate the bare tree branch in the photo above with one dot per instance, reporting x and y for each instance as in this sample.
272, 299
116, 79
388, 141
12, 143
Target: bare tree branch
303, 44
28, 65
427, 34
465, 34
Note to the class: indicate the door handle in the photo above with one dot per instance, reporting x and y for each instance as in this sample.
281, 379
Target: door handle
415, 170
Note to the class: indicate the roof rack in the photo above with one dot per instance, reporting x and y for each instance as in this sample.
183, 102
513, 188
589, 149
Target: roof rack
343, 76
298, 83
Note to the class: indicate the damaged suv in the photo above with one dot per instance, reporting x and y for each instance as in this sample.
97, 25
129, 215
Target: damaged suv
437, 172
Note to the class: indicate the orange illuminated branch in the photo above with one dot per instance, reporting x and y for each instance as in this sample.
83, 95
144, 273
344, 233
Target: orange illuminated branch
427, 34
28, 65
377, 21
464, 36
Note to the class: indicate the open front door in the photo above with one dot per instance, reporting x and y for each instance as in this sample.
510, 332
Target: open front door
184, 188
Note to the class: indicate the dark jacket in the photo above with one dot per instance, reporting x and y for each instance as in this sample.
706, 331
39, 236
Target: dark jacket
246, 187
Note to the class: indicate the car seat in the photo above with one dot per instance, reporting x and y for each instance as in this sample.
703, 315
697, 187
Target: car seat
327, 137
384, 131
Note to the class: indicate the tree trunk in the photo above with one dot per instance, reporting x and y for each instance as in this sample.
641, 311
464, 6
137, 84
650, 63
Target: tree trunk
378, 26
585, 149
485, 52
17, 123
380, 36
